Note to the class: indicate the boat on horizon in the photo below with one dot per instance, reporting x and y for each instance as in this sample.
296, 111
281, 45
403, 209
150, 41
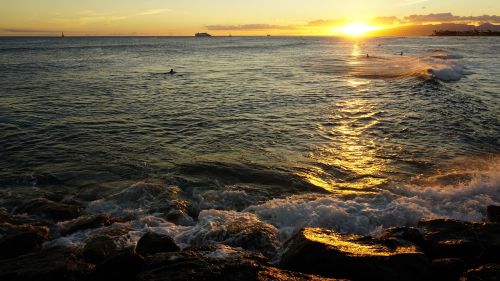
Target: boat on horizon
202, 34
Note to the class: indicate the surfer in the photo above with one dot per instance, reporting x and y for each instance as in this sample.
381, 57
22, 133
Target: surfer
402, 53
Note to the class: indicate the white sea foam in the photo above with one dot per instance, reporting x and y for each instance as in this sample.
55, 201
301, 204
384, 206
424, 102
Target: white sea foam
436, 65
398, 206
263, 227
240, 229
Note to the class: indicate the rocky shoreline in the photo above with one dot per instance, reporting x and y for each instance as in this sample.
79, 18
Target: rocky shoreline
437, 249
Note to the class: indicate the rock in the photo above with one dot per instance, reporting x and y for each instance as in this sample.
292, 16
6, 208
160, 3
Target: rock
488, 272
52, 264
493, 213
487, 234
275, 274
50, 209
455, 239
237, 229
123, 265
99, 248
87, 222
20, 240
410, 234
448, 269
490, 255
331, 254
152, 243
444, 238
12, 219
211, 266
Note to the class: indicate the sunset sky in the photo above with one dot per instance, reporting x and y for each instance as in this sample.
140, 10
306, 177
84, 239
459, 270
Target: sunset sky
238, 17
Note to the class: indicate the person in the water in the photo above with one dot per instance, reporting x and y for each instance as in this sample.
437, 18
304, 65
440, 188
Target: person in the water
172, 71
402, 53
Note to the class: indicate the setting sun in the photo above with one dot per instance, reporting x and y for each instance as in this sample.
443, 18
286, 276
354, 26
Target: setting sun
356, 29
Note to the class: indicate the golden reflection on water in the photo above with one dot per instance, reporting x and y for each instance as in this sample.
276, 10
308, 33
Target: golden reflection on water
348, 160
350, 153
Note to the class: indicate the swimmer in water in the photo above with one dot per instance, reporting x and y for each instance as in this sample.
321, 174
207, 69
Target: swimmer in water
172, 71
367, 55
401, 52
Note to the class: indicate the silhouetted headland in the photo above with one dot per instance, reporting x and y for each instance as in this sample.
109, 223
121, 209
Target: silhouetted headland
474, 32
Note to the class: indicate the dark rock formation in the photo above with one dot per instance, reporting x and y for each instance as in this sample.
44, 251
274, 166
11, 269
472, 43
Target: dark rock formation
20, 234
51, 210
21, 240
86, 222
448, 269
123, 265
410, 234
152, 243
48, 265
355, 257
488, 272
7, 218
98, 249
493, 213
457, 239
189, 265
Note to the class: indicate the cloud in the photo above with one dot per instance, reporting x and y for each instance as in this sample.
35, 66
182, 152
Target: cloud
153, 12
251, 27
27, 30
449, 17
319, 23
412, 2
385, 20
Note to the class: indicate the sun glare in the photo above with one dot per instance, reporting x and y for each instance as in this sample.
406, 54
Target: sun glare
356, 29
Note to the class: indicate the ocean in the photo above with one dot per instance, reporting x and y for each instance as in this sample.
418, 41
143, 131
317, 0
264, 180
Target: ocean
251, 134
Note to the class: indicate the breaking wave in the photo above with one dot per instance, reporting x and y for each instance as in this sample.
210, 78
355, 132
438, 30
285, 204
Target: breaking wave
432, 65
266, 225
436, 64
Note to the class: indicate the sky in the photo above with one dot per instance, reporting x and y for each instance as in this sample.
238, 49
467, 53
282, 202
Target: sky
237, 17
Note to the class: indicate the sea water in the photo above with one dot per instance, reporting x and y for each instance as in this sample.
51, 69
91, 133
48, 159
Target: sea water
252, 135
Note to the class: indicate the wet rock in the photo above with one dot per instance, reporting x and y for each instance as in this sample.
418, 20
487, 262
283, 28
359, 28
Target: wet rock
50, 209
336, 255
488, 272
99, 248
237, 229
86, 222
20, 240
450, 239
493, 213
237, 266
47, 265
152, 243
456, 239
410, 234
448, 269
123, 265
275, 274
490, 255
179, 217
15, 219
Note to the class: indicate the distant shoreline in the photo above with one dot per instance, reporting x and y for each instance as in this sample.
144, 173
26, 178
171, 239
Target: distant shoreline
474, 33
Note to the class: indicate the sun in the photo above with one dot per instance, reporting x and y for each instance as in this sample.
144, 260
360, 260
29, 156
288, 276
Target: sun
356, 29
